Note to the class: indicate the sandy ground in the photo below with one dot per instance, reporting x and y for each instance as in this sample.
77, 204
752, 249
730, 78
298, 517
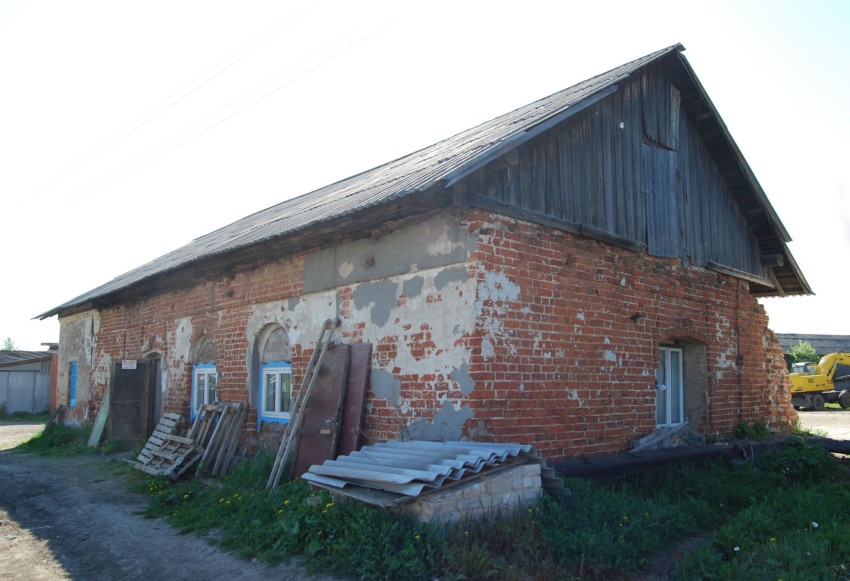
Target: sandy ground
831, 423
72, 518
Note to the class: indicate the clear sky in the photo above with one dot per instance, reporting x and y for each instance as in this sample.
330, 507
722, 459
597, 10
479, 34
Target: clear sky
129, 128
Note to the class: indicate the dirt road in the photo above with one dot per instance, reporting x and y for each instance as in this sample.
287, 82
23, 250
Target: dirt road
831, 423
72, 518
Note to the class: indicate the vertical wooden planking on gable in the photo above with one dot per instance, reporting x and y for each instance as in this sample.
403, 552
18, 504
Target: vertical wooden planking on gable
564, 175
553, 175
597, 160
608, 167
620, 171
526, 159
582, 170
663, 201
648, 105
538, 176
673, 117
636, 153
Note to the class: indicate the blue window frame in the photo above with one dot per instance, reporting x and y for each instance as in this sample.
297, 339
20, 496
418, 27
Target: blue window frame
275, 392
72, 384
204, 382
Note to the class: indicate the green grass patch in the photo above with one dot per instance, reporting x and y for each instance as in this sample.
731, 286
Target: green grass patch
788, 517
62, 440
23, 416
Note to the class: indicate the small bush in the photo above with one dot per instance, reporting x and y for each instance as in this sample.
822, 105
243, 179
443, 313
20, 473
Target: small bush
801, 462
753, 432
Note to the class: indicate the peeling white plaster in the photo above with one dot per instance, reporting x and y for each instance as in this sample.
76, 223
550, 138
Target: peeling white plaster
445, 320
573, 395
721, 324
606, 341
345, 269
725, 360
623, 281
499, 289
487, 349
182, 342
442, 244
580, 316
101, 371
609, 355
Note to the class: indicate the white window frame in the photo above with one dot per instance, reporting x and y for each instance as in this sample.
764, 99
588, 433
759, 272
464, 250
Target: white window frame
281, 370
669, 385
205, 371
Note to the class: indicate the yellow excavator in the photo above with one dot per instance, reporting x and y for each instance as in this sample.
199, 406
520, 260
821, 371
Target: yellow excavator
813, 384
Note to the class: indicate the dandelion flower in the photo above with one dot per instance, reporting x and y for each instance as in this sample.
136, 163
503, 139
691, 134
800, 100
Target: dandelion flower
815, 525
330, 504
417, 537
736, 549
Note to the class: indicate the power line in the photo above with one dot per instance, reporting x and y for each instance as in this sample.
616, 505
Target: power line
173, 99
224, 119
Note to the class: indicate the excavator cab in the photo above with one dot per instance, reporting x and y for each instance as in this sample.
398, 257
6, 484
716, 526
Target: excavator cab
804, 367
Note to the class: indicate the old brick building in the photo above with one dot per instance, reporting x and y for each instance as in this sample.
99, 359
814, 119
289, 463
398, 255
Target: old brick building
576, 274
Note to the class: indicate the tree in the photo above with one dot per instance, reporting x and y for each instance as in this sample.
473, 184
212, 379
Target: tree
8, 345
803, 351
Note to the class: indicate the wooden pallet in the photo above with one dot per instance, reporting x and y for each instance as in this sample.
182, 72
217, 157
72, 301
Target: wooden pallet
173, 458
169, 424
210, 444
166, 453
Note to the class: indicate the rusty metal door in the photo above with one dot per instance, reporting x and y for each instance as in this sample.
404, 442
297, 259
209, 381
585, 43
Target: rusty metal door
320, 427
355, 396
129, 412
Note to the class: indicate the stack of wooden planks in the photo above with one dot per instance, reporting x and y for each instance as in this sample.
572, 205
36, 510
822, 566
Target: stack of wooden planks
211, 443
216, 431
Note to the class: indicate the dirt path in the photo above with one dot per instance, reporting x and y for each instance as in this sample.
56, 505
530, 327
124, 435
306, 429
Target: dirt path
71, 518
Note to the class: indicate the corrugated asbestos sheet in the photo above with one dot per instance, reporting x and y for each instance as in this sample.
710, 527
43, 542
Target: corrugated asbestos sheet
442, 162
397, 472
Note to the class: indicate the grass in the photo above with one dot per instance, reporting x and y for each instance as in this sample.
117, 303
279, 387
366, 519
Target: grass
62, 440
786, 518
23, 416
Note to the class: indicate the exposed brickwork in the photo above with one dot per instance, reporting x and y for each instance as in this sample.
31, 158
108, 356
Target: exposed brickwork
561, 349
572, 356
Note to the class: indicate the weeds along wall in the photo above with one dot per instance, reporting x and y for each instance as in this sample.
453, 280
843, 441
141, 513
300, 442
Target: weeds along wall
482, 327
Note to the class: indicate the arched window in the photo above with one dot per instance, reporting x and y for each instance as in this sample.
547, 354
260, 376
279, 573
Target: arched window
204, 376
275, 375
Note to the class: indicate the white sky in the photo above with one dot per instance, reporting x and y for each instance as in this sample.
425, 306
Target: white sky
129, 128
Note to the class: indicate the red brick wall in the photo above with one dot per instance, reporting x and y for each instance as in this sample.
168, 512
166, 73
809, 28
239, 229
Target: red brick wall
562, 353
573, 356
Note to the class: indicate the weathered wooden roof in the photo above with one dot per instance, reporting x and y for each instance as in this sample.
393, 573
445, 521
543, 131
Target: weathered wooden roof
823, 344
443, 164
8, 358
